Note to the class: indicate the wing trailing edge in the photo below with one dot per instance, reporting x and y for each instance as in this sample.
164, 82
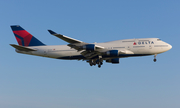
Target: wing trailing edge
74, 43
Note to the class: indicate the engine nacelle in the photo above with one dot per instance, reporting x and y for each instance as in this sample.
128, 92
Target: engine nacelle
112, 53
113, 61
89, 47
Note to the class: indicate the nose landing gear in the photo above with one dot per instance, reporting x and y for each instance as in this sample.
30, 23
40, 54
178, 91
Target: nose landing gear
155, 58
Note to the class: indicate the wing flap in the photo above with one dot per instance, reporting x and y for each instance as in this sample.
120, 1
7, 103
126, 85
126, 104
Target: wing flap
22, 48
89, 55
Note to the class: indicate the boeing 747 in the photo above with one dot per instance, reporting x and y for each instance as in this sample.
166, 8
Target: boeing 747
93, 53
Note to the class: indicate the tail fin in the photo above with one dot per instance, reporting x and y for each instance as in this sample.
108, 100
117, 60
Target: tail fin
24, 38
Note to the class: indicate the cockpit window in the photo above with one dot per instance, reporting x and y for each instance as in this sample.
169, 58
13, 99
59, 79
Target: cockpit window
158, 39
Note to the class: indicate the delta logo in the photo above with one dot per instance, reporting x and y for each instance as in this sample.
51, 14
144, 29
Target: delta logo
143, 42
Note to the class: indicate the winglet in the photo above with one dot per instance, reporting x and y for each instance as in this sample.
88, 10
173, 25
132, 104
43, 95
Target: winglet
52, 32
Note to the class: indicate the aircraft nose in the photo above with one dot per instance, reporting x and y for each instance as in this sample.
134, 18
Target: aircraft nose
169, 46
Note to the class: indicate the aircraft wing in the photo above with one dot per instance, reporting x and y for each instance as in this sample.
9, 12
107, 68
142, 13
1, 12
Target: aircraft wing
74, 43
90, 50
22, 48
65, 38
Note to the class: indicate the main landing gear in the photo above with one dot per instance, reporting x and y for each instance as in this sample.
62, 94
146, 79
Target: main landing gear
99, 64
100, 61
93, 62
155, 58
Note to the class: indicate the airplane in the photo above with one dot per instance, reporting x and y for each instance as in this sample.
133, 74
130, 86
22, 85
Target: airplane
93, 53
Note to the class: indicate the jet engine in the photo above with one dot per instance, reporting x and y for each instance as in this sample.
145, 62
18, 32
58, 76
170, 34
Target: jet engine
112, 53
89, 47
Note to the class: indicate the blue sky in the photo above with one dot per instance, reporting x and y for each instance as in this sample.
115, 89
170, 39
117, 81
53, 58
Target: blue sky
29, 81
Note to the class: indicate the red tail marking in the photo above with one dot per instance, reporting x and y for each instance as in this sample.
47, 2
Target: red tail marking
25, 35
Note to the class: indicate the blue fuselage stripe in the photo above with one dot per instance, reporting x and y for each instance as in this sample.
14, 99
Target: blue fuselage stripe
120, 56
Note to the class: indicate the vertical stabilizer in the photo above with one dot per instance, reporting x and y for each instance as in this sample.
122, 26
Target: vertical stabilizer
24, 38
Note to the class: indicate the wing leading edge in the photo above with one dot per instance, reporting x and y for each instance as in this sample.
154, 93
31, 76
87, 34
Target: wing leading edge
65, 38
74, 43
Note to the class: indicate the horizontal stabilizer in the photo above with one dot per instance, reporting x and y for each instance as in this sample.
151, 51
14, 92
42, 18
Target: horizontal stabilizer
22, 48
65, 38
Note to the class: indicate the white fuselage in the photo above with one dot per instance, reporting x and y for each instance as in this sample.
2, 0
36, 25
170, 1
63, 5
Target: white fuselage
140, 47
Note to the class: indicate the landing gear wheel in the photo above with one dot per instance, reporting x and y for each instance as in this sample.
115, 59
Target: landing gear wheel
99, 66
90, 63
154, 60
